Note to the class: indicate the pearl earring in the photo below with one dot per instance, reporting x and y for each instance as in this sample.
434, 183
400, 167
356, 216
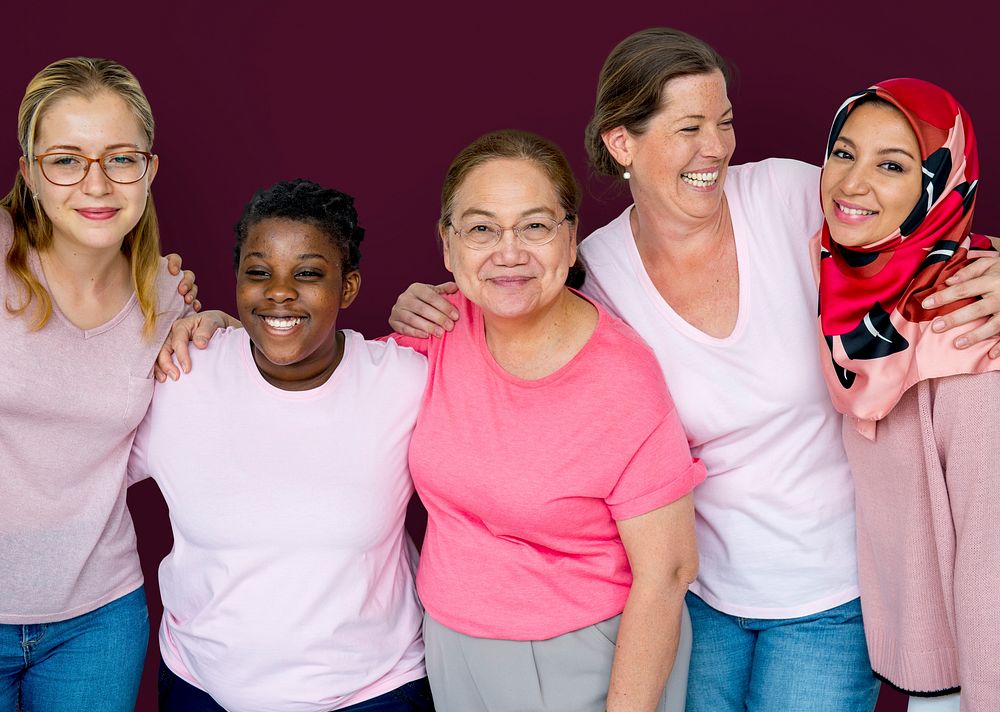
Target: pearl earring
626, 175
34, 196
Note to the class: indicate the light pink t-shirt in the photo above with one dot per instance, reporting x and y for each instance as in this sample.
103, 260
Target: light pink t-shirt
70, 400
775, 517
524, 480
289, 587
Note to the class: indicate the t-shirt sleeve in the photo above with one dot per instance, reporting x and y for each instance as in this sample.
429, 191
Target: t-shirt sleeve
661, 471
421, 346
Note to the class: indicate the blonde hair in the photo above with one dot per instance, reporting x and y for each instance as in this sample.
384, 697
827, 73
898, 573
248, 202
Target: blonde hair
85, 77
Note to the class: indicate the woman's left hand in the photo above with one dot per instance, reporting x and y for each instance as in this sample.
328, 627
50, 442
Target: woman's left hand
978, 279
187, 288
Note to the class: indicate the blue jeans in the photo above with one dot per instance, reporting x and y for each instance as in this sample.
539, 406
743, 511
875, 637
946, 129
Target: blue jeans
90, 662
816, 663
177, 695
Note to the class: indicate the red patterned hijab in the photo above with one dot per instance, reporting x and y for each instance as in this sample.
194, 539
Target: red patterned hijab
870, 316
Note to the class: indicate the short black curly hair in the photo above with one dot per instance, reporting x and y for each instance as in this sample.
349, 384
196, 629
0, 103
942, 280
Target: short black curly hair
305, 201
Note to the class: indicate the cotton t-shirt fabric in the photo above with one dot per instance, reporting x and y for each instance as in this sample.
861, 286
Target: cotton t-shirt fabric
70, 400
775, 516
523, 480
289, 587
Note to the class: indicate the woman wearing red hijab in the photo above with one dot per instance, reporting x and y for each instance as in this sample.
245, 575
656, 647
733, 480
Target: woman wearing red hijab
898, 191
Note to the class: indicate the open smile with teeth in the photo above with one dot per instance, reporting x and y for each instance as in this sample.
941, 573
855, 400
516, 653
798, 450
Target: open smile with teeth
282, 323
700, 180
854, 211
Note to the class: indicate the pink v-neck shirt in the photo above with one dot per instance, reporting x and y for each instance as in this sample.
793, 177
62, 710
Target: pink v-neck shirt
524, 480
775, 516
70, 400
289, 587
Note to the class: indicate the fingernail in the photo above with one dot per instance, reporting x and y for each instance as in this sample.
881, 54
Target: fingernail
200, 343
929, 303
961, 342
438, 332
454, 314
938, 325
174, 375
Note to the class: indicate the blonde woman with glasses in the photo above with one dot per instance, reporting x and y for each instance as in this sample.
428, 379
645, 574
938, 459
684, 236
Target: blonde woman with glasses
87, 301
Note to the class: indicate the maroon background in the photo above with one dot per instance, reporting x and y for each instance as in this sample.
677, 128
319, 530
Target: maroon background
376, 100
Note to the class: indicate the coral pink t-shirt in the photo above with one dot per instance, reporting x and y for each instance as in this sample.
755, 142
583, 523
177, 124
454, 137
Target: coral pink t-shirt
524, 480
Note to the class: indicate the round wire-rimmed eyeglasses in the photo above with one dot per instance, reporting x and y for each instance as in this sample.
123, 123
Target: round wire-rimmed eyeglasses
533, 232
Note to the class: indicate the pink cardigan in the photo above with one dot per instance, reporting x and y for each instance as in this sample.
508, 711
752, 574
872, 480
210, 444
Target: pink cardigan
928, 508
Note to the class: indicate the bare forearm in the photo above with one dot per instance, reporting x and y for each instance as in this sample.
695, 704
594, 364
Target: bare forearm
647, 646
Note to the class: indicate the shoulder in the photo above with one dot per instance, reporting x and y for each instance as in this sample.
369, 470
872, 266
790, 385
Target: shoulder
776, 192
967, 393
601, 242
624, 358
774, 174
387, 359
223, 354
606, 257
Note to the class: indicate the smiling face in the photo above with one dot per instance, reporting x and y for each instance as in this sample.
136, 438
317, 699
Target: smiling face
289, 288
509, 280
678, 164
96, 213
872, 179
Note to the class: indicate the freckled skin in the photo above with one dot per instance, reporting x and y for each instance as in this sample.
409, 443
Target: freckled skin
692, 132
293, 269
875, 165
90, 126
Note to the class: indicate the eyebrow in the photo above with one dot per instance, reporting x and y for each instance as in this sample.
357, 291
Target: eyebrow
304, 256
882, 151
77, 149
487, 214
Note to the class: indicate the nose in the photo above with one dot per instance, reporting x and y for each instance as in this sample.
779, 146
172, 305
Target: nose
95, 182
714, 144
510, 251
281, 290
855, 180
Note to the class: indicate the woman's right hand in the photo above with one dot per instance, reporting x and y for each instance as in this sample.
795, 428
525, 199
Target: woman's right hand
198, 328
421, 311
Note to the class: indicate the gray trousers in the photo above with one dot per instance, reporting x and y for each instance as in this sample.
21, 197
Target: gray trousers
568, 673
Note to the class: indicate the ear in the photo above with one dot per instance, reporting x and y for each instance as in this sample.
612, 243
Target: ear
154, 165
572, 241
350, 288
446, 233
618, 141
22, 167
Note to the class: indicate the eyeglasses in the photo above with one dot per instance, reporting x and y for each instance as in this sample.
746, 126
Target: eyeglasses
533, 232
122, 167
